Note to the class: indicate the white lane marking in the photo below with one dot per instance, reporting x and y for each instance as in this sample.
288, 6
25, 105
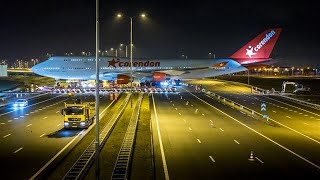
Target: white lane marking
242, 112
29, 125
40, 109
190, 129
300, 113
295, 111
15, 118
292, 152
57, 111
221, 129
184, 120
274, 111
31, 112
21, 116
43, 134
6, 135
18, 150
211, 121
176, 108
306, 123
199, 141
45, 117
311, 117
290, 110
191, 104
293, 106
10, 120
259, 160
3, 123
58, 124
180, 114
27, 114
164, 162
288, 117
202, 114
212, 159
66, 146
236, 141
305, 115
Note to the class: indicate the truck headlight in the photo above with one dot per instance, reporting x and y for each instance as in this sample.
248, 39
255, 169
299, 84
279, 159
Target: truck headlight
66, 124
82, 124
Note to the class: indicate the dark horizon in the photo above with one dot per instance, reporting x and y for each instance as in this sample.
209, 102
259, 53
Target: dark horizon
34, 28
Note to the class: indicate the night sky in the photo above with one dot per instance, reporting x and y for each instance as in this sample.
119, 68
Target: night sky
33, 28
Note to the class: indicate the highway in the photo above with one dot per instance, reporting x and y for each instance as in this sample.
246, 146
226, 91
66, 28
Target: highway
204, 139
195, 136
31, 136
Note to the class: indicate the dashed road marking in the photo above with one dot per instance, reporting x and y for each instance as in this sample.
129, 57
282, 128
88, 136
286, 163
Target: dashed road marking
6, 135
45, 117
212, 159
288, 117
18, 150
236, 141
29, 125
274, 111
259, 160
190, 129
58, 124
42, 135
221, 129
199, 141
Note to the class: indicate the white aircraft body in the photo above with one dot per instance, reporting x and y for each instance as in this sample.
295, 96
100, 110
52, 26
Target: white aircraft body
255, 52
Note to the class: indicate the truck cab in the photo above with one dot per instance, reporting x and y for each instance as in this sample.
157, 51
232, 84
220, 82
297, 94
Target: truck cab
78, 115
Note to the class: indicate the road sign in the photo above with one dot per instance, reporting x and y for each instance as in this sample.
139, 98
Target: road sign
263, 106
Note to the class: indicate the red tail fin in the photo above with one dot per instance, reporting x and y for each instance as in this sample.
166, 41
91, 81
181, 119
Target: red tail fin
258, 49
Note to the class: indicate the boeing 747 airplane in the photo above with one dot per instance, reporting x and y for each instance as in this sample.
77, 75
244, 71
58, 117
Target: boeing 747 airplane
254, 53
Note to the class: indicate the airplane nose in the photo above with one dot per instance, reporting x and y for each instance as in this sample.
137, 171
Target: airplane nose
37, 69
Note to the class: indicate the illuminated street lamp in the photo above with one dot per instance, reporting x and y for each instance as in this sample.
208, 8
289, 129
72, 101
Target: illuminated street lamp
316, 71
126, 49
131, 18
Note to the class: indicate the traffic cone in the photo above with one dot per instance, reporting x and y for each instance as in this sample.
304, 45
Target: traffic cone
251, 158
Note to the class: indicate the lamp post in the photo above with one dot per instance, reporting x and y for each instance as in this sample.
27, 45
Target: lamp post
126, 49
131, 44
97, 142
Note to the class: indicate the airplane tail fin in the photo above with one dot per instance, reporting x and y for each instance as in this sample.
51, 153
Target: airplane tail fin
258, 49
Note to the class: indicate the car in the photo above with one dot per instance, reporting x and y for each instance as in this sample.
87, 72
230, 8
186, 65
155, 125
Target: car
20, 103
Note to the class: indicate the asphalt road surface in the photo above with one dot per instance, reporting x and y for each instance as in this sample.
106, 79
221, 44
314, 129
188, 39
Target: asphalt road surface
200, 138
31, 136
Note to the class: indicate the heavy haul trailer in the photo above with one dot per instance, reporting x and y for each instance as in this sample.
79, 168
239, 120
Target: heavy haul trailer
78, 115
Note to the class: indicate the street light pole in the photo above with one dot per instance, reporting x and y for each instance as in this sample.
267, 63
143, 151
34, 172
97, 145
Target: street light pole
131, 55
97, 143
126, 51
